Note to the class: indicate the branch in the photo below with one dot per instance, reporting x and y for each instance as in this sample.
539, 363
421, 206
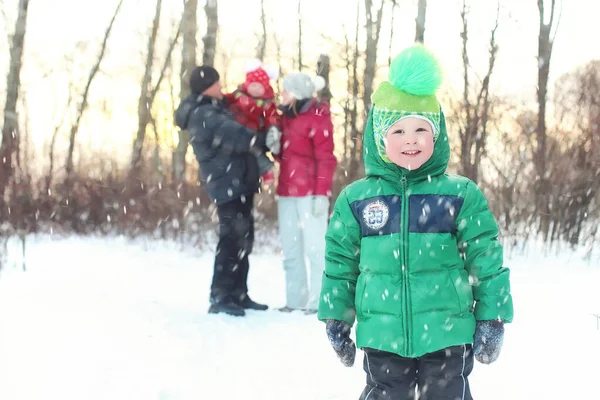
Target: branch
262, 43
465, 57
558, 22
552, 13
83, 104
492, 60
378, 24
394, 5
166, 63
330, 39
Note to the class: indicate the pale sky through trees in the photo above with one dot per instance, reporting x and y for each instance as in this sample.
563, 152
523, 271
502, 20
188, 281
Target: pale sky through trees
54, 28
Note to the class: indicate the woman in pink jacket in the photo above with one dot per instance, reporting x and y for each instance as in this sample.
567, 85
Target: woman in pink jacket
307, 165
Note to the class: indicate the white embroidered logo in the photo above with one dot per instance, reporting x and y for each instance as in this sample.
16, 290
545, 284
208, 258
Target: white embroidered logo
376, 215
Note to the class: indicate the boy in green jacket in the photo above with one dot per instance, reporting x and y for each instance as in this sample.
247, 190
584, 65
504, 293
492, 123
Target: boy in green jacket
413, 253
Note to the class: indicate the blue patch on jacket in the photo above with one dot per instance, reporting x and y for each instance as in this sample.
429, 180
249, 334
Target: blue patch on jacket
428, 213
432, 213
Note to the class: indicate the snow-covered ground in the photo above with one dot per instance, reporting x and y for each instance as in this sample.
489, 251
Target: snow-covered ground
113, 319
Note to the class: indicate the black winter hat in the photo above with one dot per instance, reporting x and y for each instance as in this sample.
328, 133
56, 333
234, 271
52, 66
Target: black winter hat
202, 78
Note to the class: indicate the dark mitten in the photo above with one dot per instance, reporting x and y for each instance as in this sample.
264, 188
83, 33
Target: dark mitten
489, 336
338, 333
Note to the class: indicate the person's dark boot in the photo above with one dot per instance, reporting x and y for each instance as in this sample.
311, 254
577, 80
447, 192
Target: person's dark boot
227, 306
247, 303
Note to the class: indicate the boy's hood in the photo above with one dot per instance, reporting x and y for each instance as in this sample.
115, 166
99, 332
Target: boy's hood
375, 166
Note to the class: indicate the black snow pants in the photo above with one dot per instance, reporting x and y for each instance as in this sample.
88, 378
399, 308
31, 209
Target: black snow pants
441, 375
236, 237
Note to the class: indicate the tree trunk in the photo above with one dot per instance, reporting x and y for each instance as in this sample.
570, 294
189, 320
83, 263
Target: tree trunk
144, 103
188, 63
473, 133
24, 147
9, 148
420, 22
356, 144
545, 43
323, 67
373, 30
465, 135
347, 109
300, 65
84, 99
261, 49
393, 13
52, 148
279, 56
484, 100
212, 27
152, 95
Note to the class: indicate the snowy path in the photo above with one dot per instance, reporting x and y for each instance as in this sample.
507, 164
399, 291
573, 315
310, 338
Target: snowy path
108, 319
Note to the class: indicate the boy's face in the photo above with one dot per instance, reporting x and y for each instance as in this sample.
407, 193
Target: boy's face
409, 143
214, 91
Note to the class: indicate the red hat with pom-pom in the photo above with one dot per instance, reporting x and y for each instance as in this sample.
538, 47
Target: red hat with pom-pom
258, 73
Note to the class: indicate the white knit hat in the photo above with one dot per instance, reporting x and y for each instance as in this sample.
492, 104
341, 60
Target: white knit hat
302, 86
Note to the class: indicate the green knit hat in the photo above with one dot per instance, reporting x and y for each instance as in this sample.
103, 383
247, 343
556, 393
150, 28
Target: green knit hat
414, 78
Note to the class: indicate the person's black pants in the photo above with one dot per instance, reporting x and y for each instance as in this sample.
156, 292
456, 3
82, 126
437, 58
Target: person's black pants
441, 375
236, 237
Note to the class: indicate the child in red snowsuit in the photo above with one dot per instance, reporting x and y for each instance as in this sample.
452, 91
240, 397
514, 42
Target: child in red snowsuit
253, 104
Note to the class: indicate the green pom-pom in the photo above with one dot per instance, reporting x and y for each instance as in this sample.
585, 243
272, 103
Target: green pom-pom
416, 71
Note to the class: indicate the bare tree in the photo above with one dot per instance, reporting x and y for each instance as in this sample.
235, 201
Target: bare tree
545, 44
373, 29
57, 127
261, 49
144, 105
84, 99
355, 142
323, 68
9, 148
575, 166
188, 63
300, 65
154, 90
420, 22
279, 59
465, 58
510, 192
212, 27
392, 13
23, 156
347, 97
473, 132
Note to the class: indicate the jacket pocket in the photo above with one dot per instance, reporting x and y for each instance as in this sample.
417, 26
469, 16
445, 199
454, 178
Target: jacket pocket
463, 289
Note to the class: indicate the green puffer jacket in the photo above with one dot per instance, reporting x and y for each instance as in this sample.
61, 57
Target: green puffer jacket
414, 256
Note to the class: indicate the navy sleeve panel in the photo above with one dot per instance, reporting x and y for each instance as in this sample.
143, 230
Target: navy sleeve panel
431, 213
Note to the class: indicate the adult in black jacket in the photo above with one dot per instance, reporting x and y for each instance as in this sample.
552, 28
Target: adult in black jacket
226, 152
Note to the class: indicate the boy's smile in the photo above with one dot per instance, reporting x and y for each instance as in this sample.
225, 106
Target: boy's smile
409, 142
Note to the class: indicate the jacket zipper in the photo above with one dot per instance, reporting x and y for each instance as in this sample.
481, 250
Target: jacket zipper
405, 288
